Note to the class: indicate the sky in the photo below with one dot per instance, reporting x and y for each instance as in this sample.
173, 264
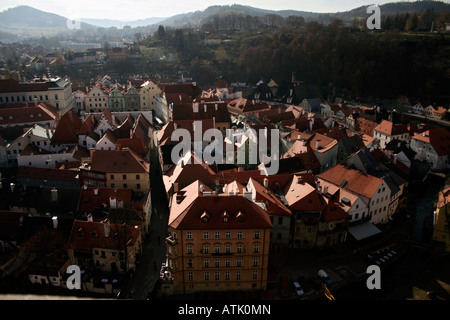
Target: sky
141, 9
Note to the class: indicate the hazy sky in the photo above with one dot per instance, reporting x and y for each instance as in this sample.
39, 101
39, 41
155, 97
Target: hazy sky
139, 9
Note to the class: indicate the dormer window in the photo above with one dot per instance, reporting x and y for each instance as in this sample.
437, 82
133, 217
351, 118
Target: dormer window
240, 216
205, 217
225, 217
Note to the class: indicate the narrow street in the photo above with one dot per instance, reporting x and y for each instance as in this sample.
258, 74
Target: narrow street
146, 274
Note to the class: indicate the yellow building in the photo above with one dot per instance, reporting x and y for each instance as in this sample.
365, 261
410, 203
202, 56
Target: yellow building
217, 242
123, 168
441, 216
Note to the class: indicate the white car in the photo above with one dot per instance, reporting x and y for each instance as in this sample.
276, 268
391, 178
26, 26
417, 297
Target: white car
298, 288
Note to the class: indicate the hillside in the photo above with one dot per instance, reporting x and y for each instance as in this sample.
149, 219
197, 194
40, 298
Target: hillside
30, 21
394, 8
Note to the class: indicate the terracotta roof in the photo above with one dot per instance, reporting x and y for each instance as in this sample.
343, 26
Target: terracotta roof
301, 196
32, 114
125, 160
164, 135
87, 235
439, 138
387, 127
88, 125
325, 143
214, 206
92, 198
186, 173
47, 173
185, 111
274, 205
333, 212
67, 129
352, 180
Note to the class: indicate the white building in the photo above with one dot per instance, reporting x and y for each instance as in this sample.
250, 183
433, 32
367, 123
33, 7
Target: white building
433, 146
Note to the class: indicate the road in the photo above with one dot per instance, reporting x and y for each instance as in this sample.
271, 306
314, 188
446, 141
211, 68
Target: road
144, 278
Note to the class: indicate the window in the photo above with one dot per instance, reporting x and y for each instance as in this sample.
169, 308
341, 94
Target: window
255, 274
255, 262
190, 276
227, 248
257, 234
239, 234
227, 235
217, 263
206, 248
227, 275
227, 263
239, 248
238, 275
256, 248
206, 263
189, 249
112, 177
189, 235
217, 235
138, 177
206, 235
124, 177
217, 275
206, 275
190, 264
217, 248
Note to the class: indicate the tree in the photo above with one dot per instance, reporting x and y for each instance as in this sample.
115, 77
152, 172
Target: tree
161, 34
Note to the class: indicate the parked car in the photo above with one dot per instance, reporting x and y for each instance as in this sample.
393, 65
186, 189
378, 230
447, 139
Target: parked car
298, 288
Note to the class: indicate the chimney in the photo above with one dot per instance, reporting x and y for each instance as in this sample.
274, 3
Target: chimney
325, 190
202, 188
248, 195
107, 227
318, 144
89, 218
55, 222
112, 202
206, 107
216, 107
96, 192
266, 182
175, 126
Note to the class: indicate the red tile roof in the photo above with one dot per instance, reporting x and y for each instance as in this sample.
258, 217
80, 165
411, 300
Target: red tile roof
32, 114
67, 129
439, 138
301, 196
92, 198
47, 173
87, 235
125, 161
333, 212
391, 129
253, 216
352, 180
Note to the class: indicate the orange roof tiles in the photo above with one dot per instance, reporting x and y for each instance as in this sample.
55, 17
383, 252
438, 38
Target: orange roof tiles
125, 160
387, 127
253, 216
439, 138
352, 180
87, 235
